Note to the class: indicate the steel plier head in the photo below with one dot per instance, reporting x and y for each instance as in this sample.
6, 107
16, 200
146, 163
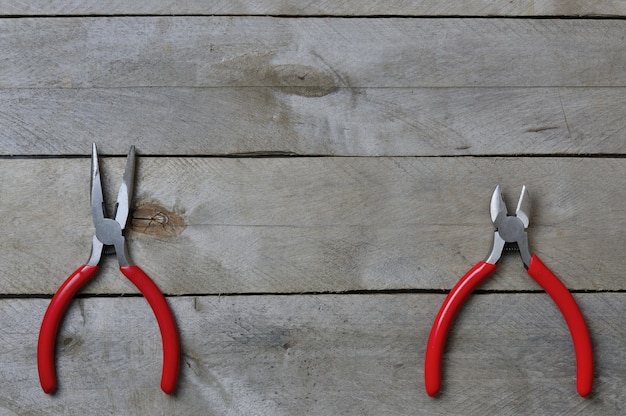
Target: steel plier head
510, 229
109, 233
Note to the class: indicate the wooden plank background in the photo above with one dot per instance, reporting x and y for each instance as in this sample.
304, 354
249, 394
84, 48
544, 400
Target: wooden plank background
312, 178
325, 8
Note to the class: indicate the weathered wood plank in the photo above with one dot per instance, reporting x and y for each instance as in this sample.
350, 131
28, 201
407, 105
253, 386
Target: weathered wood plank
508, 354
326, 8
315, 224
317, 55
348, 121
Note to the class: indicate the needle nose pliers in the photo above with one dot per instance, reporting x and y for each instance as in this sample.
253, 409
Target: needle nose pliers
510, 229
109, 234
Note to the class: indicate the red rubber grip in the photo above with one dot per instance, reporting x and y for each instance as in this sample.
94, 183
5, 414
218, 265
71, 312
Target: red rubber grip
574, 319
51, 321
167, 324
443, 322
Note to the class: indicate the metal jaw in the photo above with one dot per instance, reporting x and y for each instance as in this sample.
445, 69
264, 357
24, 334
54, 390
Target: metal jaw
110, 232
509, 229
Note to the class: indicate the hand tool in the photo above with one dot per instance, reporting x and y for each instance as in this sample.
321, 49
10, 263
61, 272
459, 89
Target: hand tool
510, 229
109, 235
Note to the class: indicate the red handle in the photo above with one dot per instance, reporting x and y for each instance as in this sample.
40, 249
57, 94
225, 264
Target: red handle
443, 322
51, 321
574, 319
167, 324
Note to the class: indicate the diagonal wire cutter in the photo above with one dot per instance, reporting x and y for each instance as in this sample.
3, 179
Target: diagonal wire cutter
109, 235
510, 230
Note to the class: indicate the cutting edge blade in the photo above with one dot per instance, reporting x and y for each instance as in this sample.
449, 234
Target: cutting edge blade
497, 205
523, 207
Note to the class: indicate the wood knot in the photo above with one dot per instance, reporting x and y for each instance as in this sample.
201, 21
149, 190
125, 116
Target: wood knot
153, 219
71, 345
302, 80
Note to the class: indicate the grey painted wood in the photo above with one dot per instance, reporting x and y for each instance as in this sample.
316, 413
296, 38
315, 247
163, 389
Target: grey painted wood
312, 56
346, 122
314, 224
508, 354
531, 98
304, 8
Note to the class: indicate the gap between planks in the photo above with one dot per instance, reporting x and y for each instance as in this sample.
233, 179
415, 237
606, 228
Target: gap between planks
598, 16
478, 292
287, 155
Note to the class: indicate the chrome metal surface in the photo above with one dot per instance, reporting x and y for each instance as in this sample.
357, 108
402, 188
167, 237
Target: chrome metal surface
96, 252
125, 194
110, 232
97, 199
497, 205
523, 207
509, 229
496, 249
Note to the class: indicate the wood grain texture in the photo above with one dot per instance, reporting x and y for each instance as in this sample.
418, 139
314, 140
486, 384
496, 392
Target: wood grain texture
508, 354
326, 8
277, 225
346, 122
307, 285
313, 56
